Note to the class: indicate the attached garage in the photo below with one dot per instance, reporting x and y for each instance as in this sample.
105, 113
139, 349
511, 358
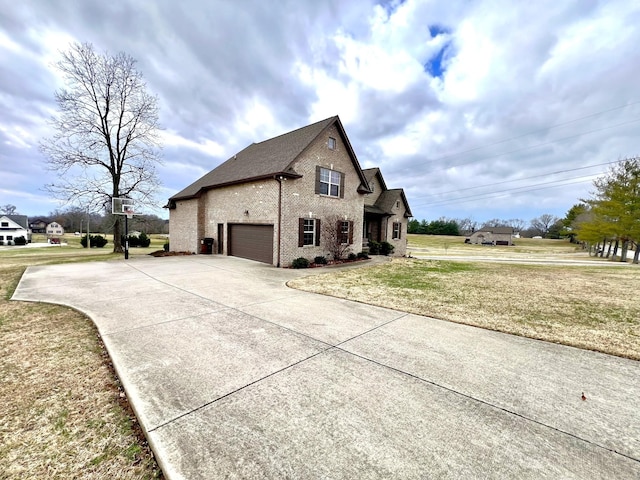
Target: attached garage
254, 242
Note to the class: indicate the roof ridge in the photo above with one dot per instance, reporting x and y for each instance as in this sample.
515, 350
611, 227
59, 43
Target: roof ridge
296, 130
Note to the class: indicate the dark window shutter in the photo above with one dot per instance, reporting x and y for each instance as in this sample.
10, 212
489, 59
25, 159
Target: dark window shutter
301, 232
399, 230
317, 178
318, 232
342, 185
350, 232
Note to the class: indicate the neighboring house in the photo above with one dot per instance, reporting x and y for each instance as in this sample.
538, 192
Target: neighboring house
38, 226
492, 236
54, 229
386, 213
12, 227
275, 200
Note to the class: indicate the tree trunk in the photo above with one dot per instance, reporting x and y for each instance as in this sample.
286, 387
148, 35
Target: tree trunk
637, 254
615, 250
608, 250
117, 234
623, 253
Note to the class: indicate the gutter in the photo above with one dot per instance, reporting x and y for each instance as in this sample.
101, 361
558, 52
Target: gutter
279, 180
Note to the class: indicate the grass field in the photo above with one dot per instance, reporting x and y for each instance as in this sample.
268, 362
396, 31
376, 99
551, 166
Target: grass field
450, 245
596, 308
63, 414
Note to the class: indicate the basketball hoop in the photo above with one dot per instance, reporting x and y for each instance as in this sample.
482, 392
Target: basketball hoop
126, 207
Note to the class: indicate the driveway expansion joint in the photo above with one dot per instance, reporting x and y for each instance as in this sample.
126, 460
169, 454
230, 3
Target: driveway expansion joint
491, 405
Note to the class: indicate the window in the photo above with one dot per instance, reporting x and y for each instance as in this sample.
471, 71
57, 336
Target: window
344, 233
1, 237
5, 224
329, 182
397, 229
331, 143
309, 232
9, 237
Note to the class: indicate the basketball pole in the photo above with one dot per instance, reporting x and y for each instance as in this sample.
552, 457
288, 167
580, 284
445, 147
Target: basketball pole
126, 237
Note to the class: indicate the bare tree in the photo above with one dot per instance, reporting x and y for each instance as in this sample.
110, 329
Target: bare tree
466, 226
106, 143
495, 222
337, 236
8, 209
517, 224
543, 223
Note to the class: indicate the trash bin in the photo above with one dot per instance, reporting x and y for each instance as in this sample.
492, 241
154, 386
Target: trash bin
206, 245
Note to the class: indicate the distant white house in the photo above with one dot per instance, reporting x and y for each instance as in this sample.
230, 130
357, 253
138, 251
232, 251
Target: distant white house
54, 229
12, 227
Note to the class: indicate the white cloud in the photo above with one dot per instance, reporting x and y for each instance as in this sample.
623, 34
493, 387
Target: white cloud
227, 76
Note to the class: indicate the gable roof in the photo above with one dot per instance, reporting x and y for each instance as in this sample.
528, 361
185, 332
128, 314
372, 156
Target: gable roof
385, 202
370, 174
496, 230
267, 159
388, 197
20, 220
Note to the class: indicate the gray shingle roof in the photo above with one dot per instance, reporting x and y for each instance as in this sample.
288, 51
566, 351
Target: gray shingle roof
263, 160
497, 230
388, 198
21, 220
370, 173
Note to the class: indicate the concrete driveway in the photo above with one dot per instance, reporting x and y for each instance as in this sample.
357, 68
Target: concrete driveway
234, 375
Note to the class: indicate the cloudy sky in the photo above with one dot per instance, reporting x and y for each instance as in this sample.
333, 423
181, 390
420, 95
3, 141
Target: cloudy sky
481, 109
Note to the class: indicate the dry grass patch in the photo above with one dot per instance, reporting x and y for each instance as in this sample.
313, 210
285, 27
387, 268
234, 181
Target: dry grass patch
587, 307
62, 413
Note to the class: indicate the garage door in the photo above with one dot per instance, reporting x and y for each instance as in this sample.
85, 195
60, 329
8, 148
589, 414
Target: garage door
254, 242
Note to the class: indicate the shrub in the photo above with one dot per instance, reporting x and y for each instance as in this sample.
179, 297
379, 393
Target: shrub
374, 247
300, 262
363, 256
137, 241
166, 246
97, 241
20, 240
1, 242
143, 240
386, 248
352, 256
320, 260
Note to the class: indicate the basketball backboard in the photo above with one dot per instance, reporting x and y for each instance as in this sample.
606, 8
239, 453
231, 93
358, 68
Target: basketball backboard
123, 206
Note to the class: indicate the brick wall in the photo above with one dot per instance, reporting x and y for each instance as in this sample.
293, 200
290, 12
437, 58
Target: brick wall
255, 203
399, 244
299, 198
183, 226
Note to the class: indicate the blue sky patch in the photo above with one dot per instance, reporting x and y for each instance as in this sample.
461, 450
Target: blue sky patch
435, 30
434, 65
390, 6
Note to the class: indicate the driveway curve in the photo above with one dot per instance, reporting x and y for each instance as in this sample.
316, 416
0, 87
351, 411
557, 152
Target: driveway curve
234, 375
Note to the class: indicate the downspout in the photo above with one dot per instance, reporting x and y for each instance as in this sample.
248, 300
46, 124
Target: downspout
279, 180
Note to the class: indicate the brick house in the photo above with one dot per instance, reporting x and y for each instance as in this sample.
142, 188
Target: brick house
492, 236
274, 201
386, 213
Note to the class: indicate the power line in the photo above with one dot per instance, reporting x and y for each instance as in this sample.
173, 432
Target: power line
538, 145
518, 179
536, 131
541, 186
